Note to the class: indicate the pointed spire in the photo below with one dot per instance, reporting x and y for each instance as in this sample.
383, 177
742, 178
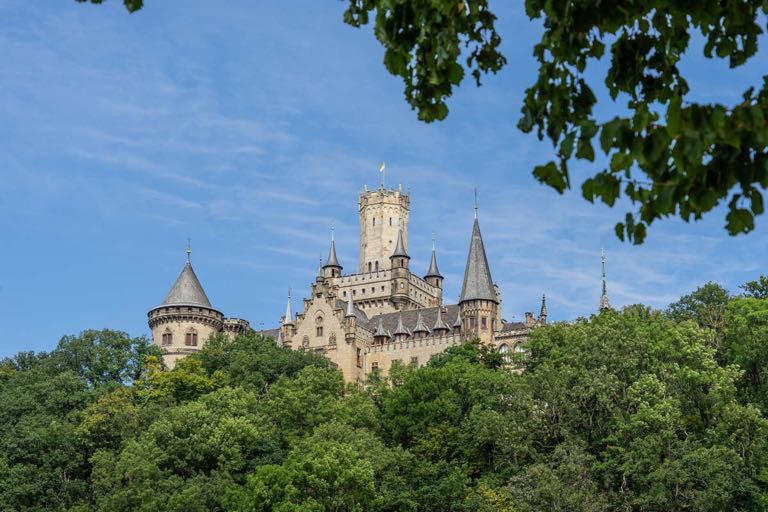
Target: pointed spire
332, 261
400, 329
279, 340
543, 311
187, 289
400, 251
604, 303
350, 307
439, 324
380, 331
288, 319
478, 283
420, 326
433, 271
457, 323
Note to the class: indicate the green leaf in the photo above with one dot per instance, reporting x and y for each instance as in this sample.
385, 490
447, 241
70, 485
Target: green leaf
550, 174
673, 117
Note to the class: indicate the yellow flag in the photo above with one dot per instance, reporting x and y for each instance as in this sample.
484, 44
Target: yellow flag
381, 167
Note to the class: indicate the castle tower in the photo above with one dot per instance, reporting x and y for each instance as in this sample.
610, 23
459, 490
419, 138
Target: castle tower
543, 311
383, 214
401, 286
332, 267
287, 325
479, 302
433, 275
182, 324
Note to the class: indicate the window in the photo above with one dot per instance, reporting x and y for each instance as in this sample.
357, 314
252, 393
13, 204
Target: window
345, 294
319, 331
414, 361
377, 266
369, 266
359, 358
390, 221
375, 366
374, 221
505, 355
472, 323
382, 288
190, 339
484, 323
167, 337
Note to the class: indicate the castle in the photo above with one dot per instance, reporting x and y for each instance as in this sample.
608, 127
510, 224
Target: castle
368, 320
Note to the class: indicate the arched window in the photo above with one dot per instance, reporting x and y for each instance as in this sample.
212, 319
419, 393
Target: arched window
190, 338
319, 326
504, 351
167, 337
369, 266
519, 349
374, 221
390, 221
377, 266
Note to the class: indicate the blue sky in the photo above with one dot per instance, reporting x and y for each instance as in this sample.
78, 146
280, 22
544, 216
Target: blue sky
251, 127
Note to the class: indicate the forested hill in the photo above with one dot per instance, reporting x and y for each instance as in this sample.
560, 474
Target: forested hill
633, 410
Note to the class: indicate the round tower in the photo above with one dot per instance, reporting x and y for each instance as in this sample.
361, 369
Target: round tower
433, 275
401, 286
182, 324
479, 302
383, 215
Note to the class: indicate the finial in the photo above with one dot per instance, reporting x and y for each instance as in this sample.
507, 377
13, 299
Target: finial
433, 241
189, 249
382, 167
475, 202
333, 229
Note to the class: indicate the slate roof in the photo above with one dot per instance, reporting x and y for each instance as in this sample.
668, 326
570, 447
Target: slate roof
433, 271
478, 283
512, 326
333, 261
400, 248
409, 318
187, 290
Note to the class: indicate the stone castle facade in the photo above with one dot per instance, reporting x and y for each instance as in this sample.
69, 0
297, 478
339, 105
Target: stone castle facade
368, 320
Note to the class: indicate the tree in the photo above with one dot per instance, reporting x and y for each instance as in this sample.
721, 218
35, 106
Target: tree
757, 289
705, 305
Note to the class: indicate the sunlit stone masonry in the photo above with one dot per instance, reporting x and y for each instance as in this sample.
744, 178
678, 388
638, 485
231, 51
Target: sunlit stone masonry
368, 320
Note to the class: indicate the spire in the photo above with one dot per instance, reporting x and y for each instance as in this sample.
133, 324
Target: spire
400, 329
433, 271
380, 331
332, 261
279, 340
420, 327
604, 303
187, 289
543, 311
350, 307
478, 283
439, 324
288, 320
400, 251
457, 323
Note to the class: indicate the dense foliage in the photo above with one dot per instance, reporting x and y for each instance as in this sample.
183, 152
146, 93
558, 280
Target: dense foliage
633, 410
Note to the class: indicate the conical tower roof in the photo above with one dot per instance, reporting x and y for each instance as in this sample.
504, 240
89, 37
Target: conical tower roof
400, 251
400, 329
478, 284
433, 271
380, 331
288, 318
439, 324
457, 323
332, 261
187, 290
420, 327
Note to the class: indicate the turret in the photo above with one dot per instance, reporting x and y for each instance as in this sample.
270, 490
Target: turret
401, 333
604, 302
182, 324
332, 267
287, 325
380, 335
457, 323
440, 328
421, 330
433, 275
400, 283
479, 302
350, 321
